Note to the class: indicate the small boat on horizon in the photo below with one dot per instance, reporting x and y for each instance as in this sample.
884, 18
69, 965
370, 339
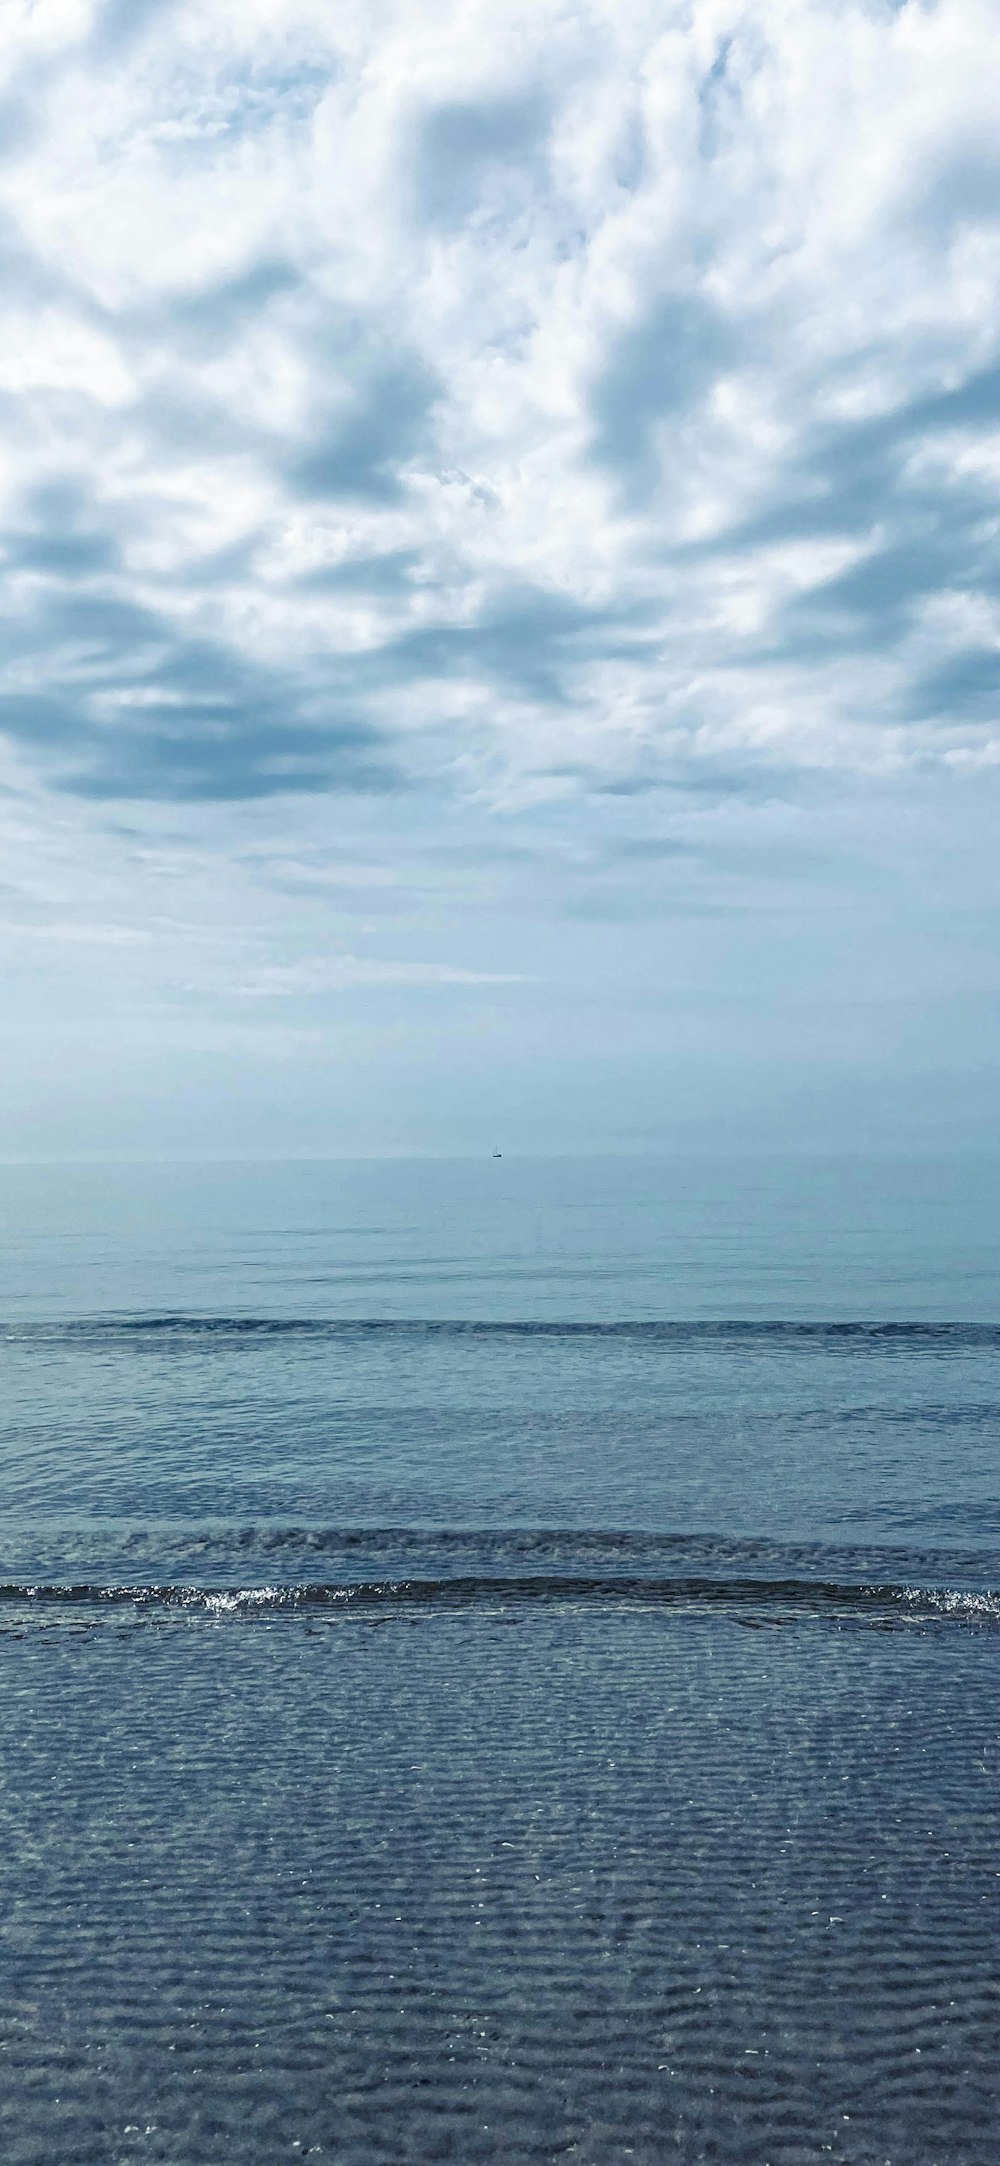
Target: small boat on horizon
497, 1152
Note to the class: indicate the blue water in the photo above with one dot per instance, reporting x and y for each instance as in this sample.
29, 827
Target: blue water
500, 1662
593, 1240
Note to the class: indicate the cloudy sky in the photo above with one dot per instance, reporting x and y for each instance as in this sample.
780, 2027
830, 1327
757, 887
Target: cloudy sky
501, 605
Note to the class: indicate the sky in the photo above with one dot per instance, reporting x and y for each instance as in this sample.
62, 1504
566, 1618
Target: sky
500, 600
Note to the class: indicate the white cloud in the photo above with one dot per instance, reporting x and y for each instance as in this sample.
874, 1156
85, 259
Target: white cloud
657, 314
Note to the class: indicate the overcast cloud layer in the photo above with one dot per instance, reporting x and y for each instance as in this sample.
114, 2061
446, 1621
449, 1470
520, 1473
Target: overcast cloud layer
498, 510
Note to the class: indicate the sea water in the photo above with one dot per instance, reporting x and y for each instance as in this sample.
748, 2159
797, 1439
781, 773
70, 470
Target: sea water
500, 1662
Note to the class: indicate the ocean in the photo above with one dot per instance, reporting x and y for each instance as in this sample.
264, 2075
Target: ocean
500, 1662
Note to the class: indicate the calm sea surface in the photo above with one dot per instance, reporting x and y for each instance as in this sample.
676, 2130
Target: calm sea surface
500, 1662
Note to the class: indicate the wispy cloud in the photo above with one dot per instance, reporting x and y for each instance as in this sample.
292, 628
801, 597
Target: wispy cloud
332, 973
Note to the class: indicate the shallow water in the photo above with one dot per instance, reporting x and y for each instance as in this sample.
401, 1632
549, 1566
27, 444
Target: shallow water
564, 1727
588, 1882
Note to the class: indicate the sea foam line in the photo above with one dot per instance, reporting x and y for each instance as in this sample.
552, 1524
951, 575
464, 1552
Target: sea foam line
777, 1599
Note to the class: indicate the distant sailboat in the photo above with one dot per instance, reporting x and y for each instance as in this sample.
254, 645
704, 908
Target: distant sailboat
497, 1152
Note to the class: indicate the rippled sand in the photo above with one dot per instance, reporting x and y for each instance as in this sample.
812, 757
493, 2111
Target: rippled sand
538, 1882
